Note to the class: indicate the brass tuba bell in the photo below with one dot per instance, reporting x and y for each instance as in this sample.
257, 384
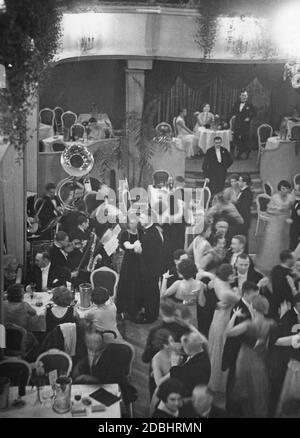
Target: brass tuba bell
77, 161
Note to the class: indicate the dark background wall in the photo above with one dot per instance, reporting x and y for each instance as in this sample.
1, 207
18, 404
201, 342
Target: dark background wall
76, 85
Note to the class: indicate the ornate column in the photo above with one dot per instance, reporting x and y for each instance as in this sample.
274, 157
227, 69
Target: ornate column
135, 92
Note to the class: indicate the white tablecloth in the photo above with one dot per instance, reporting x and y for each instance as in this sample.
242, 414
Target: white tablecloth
206, 138
59, 139
45, 131
38, 322
273, 143
31, 410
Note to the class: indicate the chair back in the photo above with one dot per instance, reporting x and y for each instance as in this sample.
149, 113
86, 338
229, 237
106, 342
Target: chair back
264, 132
77, 131
268, 189
58, 146
17, 370
262, 202
163, 129
105, 277
15, 340
68, 118
295, 133
58, 111
54, 359
47, 116
160, 176
174, 126
297, 179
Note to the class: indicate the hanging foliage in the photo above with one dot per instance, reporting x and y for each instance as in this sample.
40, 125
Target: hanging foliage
29, 38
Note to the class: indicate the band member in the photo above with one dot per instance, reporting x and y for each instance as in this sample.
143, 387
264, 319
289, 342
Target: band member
81, 232
48, 209
244, 113
215, 164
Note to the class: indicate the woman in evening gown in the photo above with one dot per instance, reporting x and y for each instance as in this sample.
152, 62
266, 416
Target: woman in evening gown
129, 282
252, 386
189, 140
205, 118
227, 298
276, 236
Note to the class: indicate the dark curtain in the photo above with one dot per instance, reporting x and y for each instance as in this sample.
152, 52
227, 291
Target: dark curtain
171, 85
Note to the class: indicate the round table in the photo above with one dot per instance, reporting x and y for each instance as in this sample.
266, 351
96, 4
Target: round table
206, 138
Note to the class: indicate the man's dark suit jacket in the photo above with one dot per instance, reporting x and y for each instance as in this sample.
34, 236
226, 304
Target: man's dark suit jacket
47, 212
281, 289
195, 371
57, 258
253, 275
248, 111
188, 411
232, 345
215, 171
152, 253
77, 233
56, 277
243, 206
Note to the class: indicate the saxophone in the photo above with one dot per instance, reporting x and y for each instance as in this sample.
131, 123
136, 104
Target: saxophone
93, 245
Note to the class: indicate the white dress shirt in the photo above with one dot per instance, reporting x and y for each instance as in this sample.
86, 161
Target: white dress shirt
241, 279
45, 274
242, 104
218, 153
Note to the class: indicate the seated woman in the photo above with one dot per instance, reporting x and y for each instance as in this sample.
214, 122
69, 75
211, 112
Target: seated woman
13, 271
161, 363
205, 118
16, 311
104, 312
62, 310
170, 394
187, 291
189, 140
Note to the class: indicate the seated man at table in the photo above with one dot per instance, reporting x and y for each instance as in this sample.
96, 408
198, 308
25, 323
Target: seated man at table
45, 275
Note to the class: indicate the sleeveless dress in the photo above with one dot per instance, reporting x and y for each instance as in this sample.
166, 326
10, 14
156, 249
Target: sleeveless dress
189, 141
276, 236
52, 321
251, 388
129, 281
217, 337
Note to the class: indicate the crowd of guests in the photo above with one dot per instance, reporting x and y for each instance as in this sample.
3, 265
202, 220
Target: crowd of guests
225, 341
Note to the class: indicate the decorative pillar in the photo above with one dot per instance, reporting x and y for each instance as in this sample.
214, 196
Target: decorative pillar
135, 93
32, 146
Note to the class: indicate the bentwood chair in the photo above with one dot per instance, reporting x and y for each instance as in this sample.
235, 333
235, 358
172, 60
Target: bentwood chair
58, 111
55, 359
105, 277
58, 146
77, 131
262, 202
297, 179
268, 189
264, 132
68, 118
18, 371
47, 116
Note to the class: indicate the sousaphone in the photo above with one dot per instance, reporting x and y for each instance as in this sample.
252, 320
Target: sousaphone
77, 161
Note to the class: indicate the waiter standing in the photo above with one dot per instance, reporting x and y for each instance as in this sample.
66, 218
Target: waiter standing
244, 113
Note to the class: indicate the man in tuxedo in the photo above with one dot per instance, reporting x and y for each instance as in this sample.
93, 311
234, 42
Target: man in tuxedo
201, 405
244, 113
58, 255
81, 232
215, 164
47, 209
45, 275
151, 268
88, 184
295, 225
244, 203
282, 282
232, 345
237, 247
245, 272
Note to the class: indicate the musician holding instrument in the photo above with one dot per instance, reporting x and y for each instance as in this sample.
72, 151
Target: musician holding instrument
48, 211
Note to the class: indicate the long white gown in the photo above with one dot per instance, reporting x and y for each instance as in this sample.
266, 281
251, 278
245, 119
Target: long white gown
189, 141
